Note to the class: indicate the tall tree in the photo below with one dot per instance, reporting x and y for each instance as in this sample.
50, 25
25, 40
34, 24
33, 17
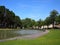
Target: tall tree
8, 18
53, 15
2, 12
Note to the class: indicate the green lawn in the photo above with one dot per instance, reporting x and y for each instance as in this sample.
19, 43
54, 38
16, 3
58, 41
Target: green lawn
52, 38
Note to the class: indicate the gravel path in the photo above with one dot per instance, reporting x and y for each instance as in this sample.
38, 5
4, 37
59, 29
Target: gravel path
27, 36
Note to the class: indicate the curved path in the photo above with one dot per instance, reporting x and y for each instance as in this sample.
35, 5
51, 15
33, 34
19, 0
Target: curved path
27, 36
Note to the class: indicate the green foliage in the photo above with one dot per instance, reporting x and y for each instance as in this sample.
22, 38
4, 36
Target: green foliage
27, 22
47, 21
8, 18
53, 15
58, 19
40, 23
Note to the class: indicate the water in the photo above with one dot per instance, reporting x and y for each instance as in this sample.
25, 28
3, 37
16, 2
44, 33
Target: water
27, 32
14, 33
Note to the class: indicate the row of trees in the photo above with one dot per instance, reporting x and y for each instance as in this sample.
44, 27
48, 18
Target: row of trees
8, 19
53, 18
28, 23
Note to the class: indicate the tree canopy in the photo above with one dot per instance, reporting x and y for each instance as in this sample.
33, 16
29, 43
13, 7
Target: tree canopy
8, 19
53, 15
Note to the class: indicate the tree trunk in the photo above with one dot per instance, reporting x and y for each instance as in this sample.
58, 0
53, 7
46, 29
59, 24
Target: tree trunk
47, 26
53, 25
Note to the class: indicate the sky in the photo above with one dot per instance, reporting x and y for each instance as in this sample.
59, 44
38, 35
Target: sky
34, 9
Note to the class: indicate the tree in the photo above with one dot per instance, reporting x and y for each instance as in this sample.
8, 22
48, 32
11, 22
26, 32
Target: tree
58, 19
47, 21
26, 22
33, 23
40, 23
18, 21
8, 19
53, 15
2, 12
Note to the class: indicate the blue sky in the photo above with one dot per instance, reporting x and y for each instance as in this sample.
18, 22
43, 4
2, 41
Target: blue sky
35, 9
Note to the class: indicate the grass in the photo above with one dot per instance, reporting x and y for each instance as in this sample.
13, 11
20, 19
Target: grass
52, 38
9, 29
